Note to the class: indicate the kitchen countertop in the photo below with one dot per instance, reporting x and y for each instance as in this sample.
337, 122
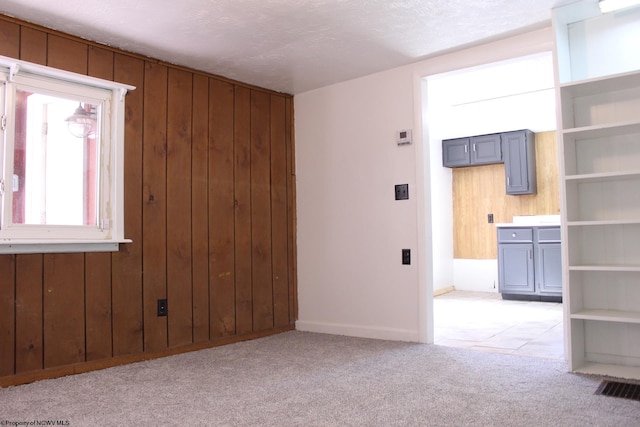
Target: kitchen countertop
532, 221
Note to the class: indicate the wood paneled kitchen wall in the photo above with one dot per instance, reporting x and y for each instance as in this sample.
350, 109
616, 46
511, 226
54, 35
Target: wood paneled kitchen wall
209, 205
481, 190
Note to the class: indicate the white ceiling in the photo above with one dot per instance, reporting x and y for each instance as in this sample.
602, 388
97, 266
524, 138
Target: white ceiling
290, 46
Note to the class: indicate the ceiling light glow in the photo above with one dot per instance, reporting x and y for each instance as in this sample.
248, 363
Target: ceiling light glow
613, 5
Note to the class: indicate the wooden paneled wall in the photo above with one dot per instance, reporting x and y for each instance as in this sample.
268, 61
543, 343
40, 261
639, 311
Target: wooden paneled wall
481, 190
209, 205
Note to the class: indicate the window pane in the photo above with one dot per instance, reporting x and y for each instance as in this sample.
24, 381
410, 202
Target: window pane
55, 169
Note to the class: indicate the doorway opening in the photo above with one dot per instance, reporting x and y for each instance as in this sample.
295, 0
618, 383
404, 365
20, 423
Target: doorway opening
468, 309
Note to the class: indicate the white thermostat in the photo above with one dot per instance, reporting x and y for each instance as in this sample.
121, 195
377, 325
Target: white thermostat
403, 137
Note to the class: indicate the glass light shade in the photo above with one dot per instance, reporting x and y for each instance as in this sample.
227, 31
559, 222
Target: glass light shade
80, 123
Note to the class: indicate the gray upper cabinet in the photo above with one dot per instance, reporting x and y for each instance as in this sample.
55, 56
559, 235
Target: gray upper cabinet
475, 150
455, 152
519, 162
486, 149
517, 150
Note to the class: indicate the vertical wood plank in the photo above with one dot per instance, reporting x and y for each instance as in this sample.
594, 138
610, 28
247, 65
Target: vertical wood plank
547, 172
261, 211
29, 285
279, 220
64, 293
179, 290
242, 178
99, 337
33, 45
67, 54
100, 63
221, 209
200, 208
7, 315
98, 265
154, 211
63, 309
291, 209
9, 39
126, 275
9, 46
29, 320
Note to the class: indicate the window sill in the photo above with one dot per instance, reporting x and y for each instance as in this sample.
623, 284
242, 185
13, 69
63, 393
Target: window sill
59, 246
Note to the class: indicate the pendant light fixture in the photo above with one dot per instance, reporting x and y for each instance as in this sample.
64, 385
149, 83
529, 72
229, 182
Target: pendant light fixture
80, 123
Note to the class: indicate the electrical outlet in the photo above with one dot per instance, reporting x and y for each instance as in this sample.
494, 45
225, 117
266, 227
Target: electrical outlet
163, 309
406, 256
490, 218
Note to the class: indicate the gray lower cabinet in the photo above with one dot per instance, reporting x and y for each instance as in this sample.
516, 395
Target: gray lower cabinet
529, 263
549, 273
516, 268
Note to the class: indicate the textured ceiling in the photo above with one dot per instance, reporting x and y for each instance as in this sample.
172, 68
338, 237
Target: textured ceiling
289, 46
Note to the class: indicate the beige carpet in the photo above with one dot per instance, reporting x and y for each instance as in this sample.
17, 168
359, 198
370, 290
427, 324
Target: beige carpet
305, 379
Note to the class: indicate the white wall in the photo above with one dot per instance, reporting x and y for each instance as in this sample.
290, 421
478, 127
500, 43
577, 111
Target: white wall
610, 47
350, 228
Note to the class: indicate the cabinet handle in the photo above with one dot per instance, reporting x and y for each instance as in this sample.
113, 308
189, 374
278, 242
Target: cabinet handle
507, 181
529, 253
513, 235
474, 147
466, 148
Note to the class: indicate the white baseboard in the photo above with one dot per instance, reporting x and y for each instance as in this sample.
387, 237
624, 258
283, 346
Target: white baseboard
390, 334
442, 291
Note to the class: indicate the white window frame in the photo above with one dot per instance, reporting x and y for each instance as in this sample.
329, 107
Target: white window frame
25, 238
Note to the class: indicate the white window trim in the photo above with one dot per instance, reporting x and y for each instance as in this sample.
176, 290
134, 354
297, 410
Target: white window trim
34, 242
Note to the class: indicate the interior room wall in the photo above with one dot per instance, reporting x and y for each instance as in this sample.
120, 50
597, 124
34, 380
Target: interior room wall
209, 205
350, 229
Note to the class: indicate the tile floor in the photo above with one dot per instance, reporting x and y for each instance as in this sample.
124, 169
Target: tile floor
484, 321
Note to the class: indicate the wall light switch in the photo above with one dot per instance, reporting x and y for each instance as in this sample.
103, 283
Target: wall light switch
402, 192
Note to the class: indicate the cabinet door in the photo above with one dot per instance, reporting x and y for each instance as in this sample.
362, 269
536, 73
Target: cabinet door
519, 162
455, 152
549, 273
486, 149
515, 268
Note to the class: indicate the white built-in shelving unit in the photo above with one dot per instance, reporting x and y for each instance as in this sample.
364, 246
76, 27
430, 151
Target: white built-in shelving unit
599, 131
